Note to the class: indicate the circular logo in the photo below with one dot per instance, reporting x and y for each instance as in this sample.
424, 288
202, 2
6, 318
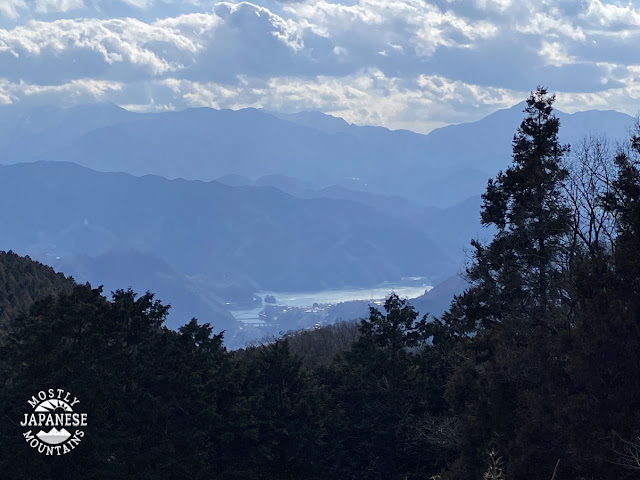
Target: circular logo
54, 423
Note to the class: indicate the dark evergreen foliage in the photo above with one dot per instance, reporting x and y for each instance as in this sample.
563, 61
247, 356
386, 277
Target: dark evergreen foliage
548, 330
23, 281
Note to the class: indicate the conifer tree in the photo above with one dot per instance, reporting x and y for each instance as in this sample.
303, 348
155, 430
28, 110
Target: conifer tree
516, 304
519, 269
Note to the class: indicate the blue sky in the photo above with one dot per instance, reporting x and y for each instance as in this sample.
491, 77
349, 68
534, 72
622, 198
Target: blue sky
401, 64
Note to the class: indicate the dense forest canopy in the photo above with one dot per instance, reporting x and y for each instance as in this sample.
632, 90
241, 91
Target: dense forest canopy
534, 372
23, 281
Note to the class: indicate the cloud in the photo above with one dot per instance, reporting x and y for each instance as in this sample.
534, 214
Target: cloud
400, 63
554, 53
495, 5
367, 98
49, 6
544, 23
414, 24
11, 8
139, 3
155, 48
611, 17
72, 93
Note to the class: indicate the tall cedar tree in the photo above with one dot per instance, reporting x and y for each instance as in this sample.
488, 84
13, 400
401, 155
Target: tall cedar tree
515, 304
521, 265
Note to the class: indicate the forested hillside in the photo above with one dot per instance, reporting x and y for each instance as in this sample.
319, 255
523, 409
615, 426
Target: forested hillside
23, 281
533, 372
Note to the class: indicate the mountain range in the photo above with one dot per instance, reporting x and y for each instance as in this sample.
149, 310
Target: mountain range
120, 230
440, 169
205, 207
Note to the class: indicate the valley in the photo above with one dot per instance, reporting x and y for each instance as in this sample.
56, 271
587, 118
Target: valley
213, 233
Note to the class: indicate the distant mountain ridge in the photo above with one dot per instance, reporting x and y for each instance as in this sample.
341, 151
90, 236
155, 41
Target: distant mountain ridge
255, 237
441, 168
450, 228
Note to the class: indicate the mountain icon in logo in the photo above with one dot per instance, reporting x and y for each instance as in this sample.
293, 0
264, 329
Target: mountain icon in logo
54, 436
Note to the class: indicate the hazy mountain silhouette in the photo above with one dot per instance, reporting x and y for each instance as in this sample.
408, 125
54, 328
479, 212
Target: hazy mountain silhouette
441, 169
28, 132
450, 228
257, 237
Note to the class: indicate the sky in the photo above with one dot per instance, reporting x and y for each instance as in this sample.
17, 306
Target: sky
408, 64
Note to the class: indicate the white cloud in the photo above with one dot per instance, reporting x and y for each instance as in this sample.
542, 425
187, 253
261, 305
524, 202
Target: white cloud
338, 50
151, 107
543, 23
499, 5
49, 6
11, 8
287, 31
610, 15
97, 89
77, 91
625, 98
368, 98
400, 63
554, 53
114, 40
413, 22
